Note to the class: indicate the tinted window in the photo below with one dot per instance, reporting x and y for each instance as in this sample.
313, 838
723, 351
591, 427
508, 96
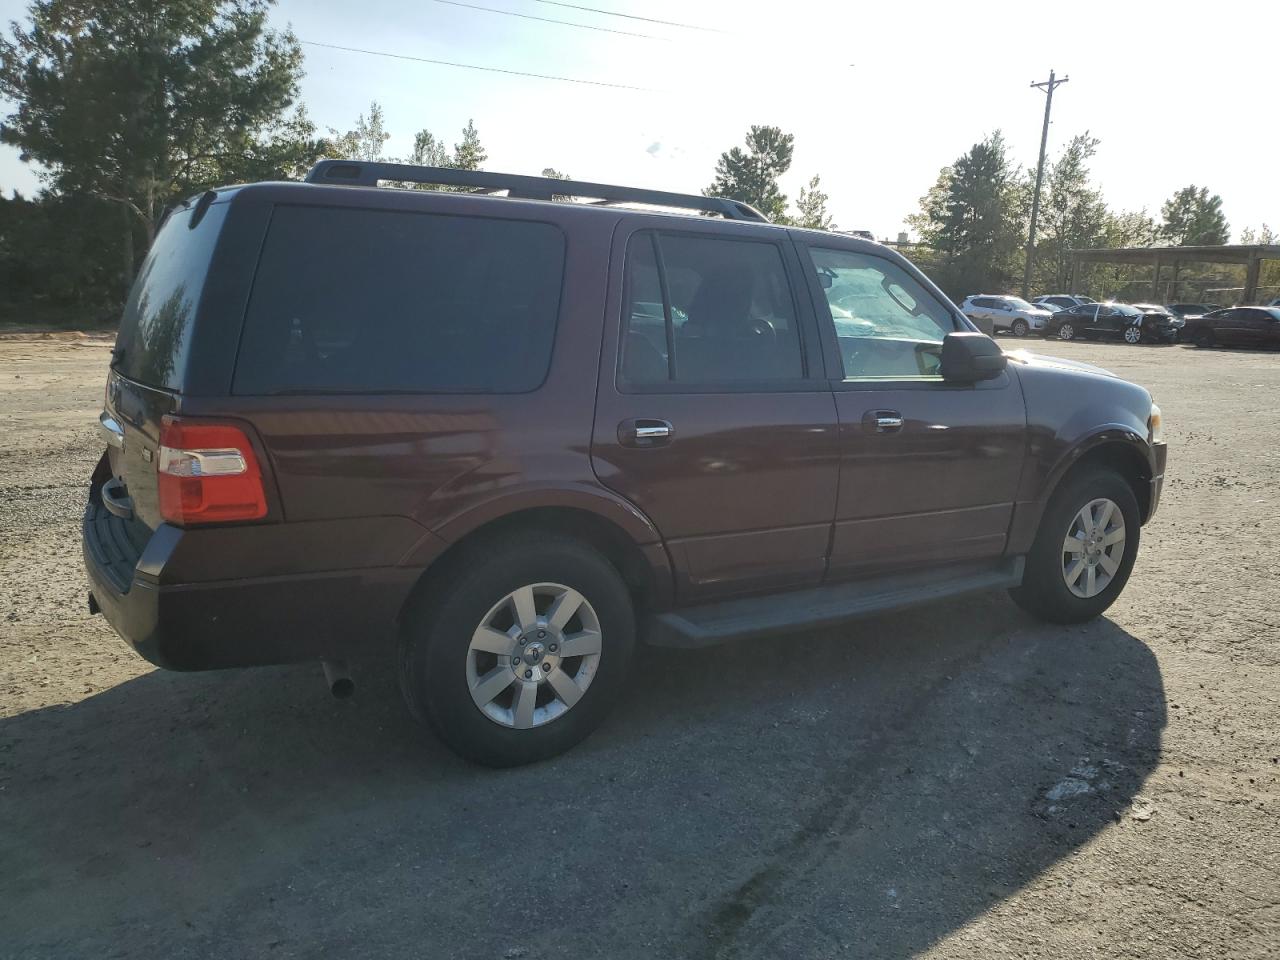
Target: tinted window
985, 302
370, 301
155, 331
886, 323
705, 310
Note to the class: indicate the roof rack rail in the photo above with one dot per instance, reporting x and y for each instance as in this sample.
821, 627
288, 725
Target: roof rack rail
358, 173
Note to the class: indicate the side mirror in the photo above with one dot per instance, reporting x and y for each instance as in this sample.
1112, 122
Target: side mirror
970, 357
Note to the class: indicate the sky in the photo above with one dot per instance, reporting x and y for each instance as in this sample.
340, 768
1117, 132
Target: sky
879, 96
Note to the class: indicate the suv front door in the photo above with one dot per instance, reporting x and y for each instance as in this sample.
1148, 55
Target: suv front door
713, 414
929, 469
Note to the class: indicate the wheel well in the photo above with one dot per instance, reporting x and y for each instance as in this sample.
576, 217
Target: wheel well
1125, 460
605, 536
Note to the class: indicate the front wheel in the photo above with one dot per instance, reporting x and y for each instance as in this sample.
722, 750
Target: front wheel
520, 651
1132, 335
1067, 332
1084, 550
1020, 328
1203, 338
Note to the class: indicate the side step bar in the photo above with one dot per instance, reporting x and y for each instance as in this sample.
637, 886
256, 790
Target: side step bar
716, 623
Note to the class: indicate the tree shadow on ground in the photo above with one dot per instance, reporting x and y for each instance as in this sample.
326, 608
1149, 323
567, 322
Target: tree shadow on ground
868, 789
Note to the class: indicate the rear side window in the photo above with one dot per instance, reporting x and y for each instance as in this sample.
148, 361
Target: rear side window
371, 301
705, 310
155, 331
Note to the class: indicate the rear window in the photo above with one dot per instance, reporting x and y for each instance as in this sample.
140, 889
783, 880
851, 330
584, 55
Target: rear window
155, 331
369, 301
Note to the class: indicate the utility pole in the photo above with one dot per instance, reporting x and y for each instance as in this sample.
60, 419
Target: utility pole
1048, 86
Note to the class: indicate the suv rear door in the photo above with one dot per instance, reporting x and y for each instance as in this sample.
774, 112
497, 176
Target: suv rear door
929, 469
713, 415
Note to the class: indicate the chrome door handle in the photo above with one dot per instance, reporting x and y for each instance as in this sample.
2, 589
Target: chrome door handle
882, 421
644, 432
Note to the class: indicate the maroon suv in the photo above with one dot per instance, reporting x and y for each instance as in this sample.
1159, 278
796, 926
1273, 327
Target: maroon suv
500, 438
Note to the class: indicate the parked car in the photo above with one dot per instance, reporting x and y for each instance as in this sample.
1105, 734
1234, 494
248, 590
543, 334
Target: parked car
1188, 310
1235, 327
1164, 316
1111, 320
464, 445
1006, 313
1060, 301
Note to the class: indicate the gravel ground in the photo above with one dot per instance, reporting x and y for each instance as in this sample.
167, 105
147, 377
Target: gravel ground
956, 781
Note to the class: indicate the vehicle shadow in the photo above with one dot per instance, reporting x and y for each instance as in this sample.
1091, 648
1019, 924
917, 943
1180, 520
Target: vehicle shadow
869, 789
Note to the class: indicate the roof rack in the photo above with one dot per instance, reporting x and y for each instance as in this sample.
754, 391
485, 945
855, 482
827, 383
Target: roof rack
357, 173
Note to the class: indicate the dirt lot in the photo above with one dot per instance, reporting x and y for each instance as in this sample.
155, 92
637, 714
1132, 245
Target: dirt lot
958, 781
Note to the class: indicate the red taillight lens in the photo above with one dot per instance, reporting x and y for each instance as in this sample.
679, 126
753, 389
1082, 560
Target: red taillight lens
208, 473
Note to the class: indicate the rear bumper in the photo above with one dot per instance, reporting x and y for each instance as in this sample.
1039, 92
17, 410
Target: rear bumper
242, 622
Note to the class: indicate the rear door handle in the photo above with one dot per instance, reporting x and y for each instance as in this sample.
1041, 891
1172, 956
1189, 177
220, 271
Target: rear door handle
642, 432
882, 421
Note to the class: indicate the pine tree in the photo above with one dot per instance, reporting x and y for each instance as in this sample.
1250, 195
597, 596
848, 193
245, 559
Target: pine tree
751, 175
1193, 217
812, 207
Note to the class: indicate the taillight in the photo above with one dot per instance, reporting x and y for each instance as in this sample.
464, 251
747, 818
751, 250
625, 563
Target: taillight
208, 473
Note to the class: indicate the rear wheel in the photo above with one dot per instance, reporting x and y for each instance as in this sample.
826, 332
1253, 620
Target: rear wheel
519, 653
1084, 550
1067, 331
1020, 327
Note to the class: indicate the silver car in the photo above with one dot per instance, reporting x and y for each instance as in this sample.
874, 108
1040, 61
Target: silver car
1006, 313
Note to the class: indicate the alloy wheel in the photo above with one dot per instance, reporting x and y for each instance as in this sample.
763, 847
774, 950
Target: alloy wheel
1066, 332
1093, 548
534, 655
1132, 335
1019, 328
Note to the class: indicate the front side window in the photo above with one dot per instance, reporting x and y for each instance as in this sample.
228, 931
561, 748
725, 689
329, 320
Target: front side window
376, 301
704, 310
887, 325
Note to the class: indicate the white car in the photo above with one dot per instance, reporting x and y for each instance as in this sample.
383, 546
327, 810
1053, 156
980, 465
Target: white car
1059, 301
1006, 313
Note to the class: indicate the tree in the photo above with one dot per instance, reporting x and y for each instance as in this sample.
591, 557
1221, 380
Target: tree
1193, 217
751, 175
812, 207
366, 141
1264, 235
428, 150
469, 154
141, 103
973, 216
1072, 216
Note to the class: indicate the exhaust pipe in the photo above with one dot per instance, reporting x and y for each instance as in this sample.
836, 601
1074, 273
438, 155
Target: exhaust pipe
339, 680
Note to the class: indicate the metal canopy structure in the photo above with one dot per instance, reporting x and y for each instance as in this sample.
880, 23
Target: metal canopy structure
1249, 255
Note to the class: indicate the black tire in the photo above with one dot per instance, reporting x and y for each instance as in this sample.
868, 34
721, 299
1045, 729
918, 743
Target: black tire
438, 632
1066, 331
1044, 592
1203, 338
1020, 328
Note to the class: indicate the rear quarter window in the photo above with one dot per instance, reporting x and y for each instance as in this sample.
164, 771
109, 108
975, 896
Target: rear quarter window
372, 301
159, 316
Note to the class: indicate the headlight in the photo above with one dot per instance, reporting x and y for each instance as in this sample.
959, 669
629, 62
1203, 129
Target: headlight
1155, 426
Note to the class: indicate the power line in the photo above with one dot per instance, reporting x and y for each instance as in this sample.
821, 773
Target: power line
632, 16
567, 23
472, 66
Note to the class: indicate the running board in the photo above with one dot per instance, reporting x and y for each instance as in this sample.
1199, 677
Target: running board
716, 623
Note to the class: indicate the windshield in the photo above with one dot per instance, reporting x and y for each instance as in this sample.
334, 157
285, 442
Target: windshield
1125, 310
1018, 303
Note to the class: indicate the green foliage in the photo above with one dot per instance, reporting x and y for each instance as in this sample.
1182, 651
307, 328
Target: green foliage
366, 141
811, 208
1193, 217
469, 154
973, 217
1072, 214
751, 175
142, 103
